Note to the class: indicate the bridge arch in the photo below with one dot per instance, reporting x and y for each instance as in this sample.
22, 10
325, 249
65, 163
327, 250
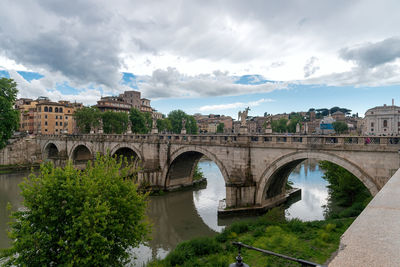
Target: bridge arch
125, 149
274, 178
81, 153
131, 153
50, 150
180, 167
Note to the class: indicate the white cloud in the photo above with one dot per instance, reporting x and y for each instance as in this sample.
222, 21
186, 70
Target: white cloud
172, 83
235, 105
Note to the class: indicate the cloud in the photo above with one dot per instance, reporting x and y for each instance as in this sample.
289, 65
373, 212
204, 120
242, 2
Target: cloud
172, 83
310, 68
371, 55
235, 105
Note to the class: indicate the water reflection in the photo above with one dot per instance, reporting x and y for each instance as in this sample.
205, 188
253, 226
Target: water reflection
9, 193
314, 192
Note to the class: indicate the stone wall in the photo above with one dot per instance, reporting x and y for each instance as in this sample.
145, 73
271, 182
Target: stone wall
22, 151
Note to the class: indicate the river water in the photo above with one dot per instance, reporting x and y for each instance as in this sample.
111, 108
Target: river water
180, 216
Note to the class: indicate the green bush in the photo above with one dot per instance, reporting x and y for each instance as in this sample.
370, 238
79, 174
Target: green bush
78, 218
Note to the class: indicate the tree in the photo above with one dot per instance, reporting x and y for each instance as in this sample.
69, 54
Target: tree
340, 127
148, 120
115, 122
78, 218
220, 127
176, 117
87, 118
138, 121
344, 187
9, 117
279, 126
164, 125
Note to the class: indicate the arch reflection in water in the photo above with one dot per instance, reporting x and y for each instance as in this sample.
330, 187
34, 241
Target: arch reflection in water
314, 192
180, 216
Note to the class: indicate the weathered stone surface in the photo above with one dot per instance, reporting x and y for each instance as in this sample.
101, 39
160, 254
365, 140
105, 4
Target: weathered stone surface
374, 237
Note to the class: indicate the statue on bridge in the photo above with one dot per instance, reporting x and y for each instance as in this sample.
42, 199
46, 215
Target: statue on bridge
154, 129
183, 131
242, 116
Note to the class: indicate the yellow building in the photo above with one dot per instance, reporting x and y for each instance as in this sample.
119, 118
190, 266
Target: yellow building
43, 116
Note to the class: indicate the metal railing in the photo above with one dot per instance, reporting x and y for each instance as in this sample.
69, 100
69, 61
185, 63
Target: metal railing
240, 263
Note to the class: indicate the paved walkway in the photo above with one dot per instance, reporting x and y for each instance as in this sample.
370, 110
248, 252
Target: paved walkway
374, 237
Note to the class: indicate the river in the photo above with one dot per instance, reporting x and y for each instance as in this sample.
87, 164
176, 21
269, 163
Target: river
180, 216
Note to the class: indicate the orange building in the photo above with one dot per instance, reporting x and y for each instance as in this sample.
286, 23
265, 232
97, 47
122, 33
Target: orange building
43, 116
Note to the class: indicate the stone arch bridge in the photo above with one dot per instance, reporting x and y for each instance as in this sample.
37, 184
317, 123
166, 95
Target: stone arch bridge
255, 168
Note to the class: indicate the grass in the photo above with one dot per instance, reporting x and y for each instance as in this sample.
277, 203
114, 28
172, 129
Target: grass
314, 241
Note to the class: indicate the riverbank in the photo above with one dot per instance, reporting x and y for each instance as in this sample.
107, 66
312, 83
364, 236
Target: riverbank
313, 241
17, 167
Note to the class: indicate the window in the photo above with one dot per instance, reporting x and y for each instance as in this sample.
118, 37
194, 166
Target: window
45, 130
56, 117
56, 130
372, 130
69, 111
60, 117
45, 123
50, 109
60, 110
56, 109
66, 117
372, 124
60, 123
384, 123
398, 124
46, 109
45, 116
56, 123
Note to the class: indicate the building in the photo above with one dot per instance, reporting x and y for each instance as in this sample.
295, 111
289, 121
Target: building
145, 105
209, 123
339, 116
326, 125
43, 116
132, 97
113, 103
382, 120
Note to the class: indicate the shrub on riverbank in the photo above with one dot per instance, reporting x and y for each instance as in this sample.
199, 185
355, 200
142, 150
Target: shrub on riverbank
78, 218
313, 241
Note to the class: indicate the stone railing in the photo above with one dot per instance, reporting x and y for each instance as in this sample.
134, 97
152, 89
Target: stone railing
301, 141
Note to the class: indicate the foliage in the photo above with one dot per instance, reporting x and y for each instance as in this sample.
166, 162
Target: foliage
148, 120
114, 122
314, 241
164, 125
220, 127
9, 117
78, 218
197, 174
340, 127
139, 121
279, 126
87, 118
176, 117
346, 191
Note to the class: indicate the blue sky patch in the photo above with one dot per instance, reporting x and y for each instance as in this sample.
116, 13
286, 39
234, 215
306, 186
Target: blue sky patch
4, 74
29, 76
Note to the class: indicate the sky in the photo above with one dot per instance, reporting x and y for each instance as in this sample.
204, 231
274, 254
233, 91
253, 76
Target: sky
208, 56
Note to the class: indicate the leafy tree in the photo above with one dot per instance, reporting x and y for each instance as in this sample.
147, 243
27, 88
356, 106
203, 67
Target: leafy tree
340, 127
78, 218
164, 125
344, 187
115, 122
148, 120
9, 117
176, 117
86, 118
139, 124
279, 126
220, 127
